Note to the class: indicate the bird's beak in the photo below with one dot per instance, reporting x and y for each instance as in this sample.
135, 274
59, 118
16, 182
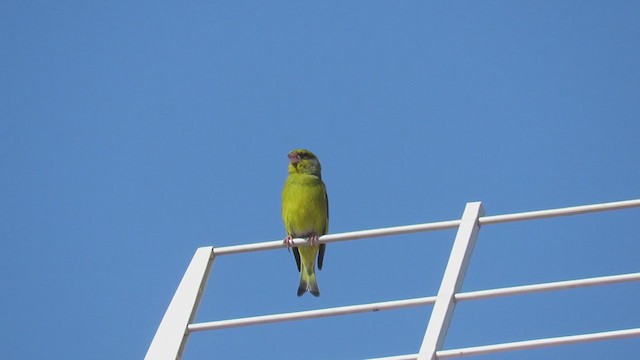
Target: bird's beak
294, 158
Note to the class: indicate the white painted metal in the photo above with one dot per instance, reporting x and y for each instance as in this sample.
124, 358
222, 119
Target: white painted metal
312, 314
559, 285
171, 336
397, 357
538, 343
440, 225
451, 282
407, 303
574, 210
524, 345
352, 235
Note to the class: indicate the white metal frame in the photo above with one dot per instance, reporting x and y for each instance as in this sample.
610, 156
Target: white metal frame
177, 323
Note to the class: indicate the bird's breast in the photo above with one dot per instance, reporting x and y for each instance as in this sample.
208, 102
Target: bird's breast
304, 206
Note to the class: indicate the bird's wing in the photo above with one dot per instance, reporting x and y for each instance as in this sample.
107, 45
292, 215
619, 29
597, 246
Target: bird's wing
326, 230
296, 255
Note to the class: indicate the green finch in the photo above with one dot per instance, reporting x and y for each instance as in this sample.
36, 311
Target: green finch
305, 213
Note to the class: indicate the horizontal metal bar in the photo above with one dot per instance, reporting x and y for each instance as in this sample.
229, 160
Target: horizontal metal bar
559, 285
329, 238
538, 343
574, 210
422, 301
397, 357
523, 345
440, 225
312, 314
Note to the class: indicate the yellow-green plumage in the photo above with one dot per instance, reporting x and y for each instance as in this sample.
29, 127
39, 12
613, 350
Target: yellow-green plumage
305, 213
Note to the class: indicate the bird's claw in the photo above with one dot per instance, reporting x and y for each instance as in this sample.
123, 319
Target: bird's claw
288, 242
311, 241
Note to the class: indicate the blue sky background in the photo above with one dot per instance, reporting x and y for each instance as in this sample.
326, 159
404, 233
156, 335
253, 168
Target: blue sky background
134, 132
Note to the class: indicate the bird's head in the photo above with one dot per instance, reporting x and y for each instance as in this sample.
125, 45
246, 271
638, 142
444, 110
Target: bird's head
303, 161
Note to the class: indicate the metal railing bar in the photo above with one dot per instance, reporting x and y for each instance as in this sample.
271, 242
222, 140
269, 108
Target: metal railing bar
573, 210
414, 302
538, 343
550, 286
352, 235
397, 357
433, 226
311, 314
187, 302
452, 280
523, 345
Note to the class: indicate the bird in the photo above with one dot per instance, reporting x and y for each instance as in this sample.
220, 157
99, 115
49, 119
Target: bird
305, 214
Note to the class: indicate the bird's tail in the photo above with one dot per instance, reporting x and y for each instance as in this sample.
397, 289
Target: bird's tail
308, 281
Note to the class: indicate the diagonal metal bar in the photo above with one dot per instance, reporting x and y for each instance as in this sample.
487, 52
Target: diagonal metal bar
451, 281
171, 336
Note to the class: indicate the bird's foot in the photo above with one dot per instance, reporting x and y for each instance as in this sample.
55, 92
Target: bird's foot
288, 242
313, 240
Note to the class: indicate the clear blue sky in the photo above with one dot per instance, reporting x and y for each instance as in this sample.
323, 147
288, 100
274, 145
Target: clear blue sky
134, 132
